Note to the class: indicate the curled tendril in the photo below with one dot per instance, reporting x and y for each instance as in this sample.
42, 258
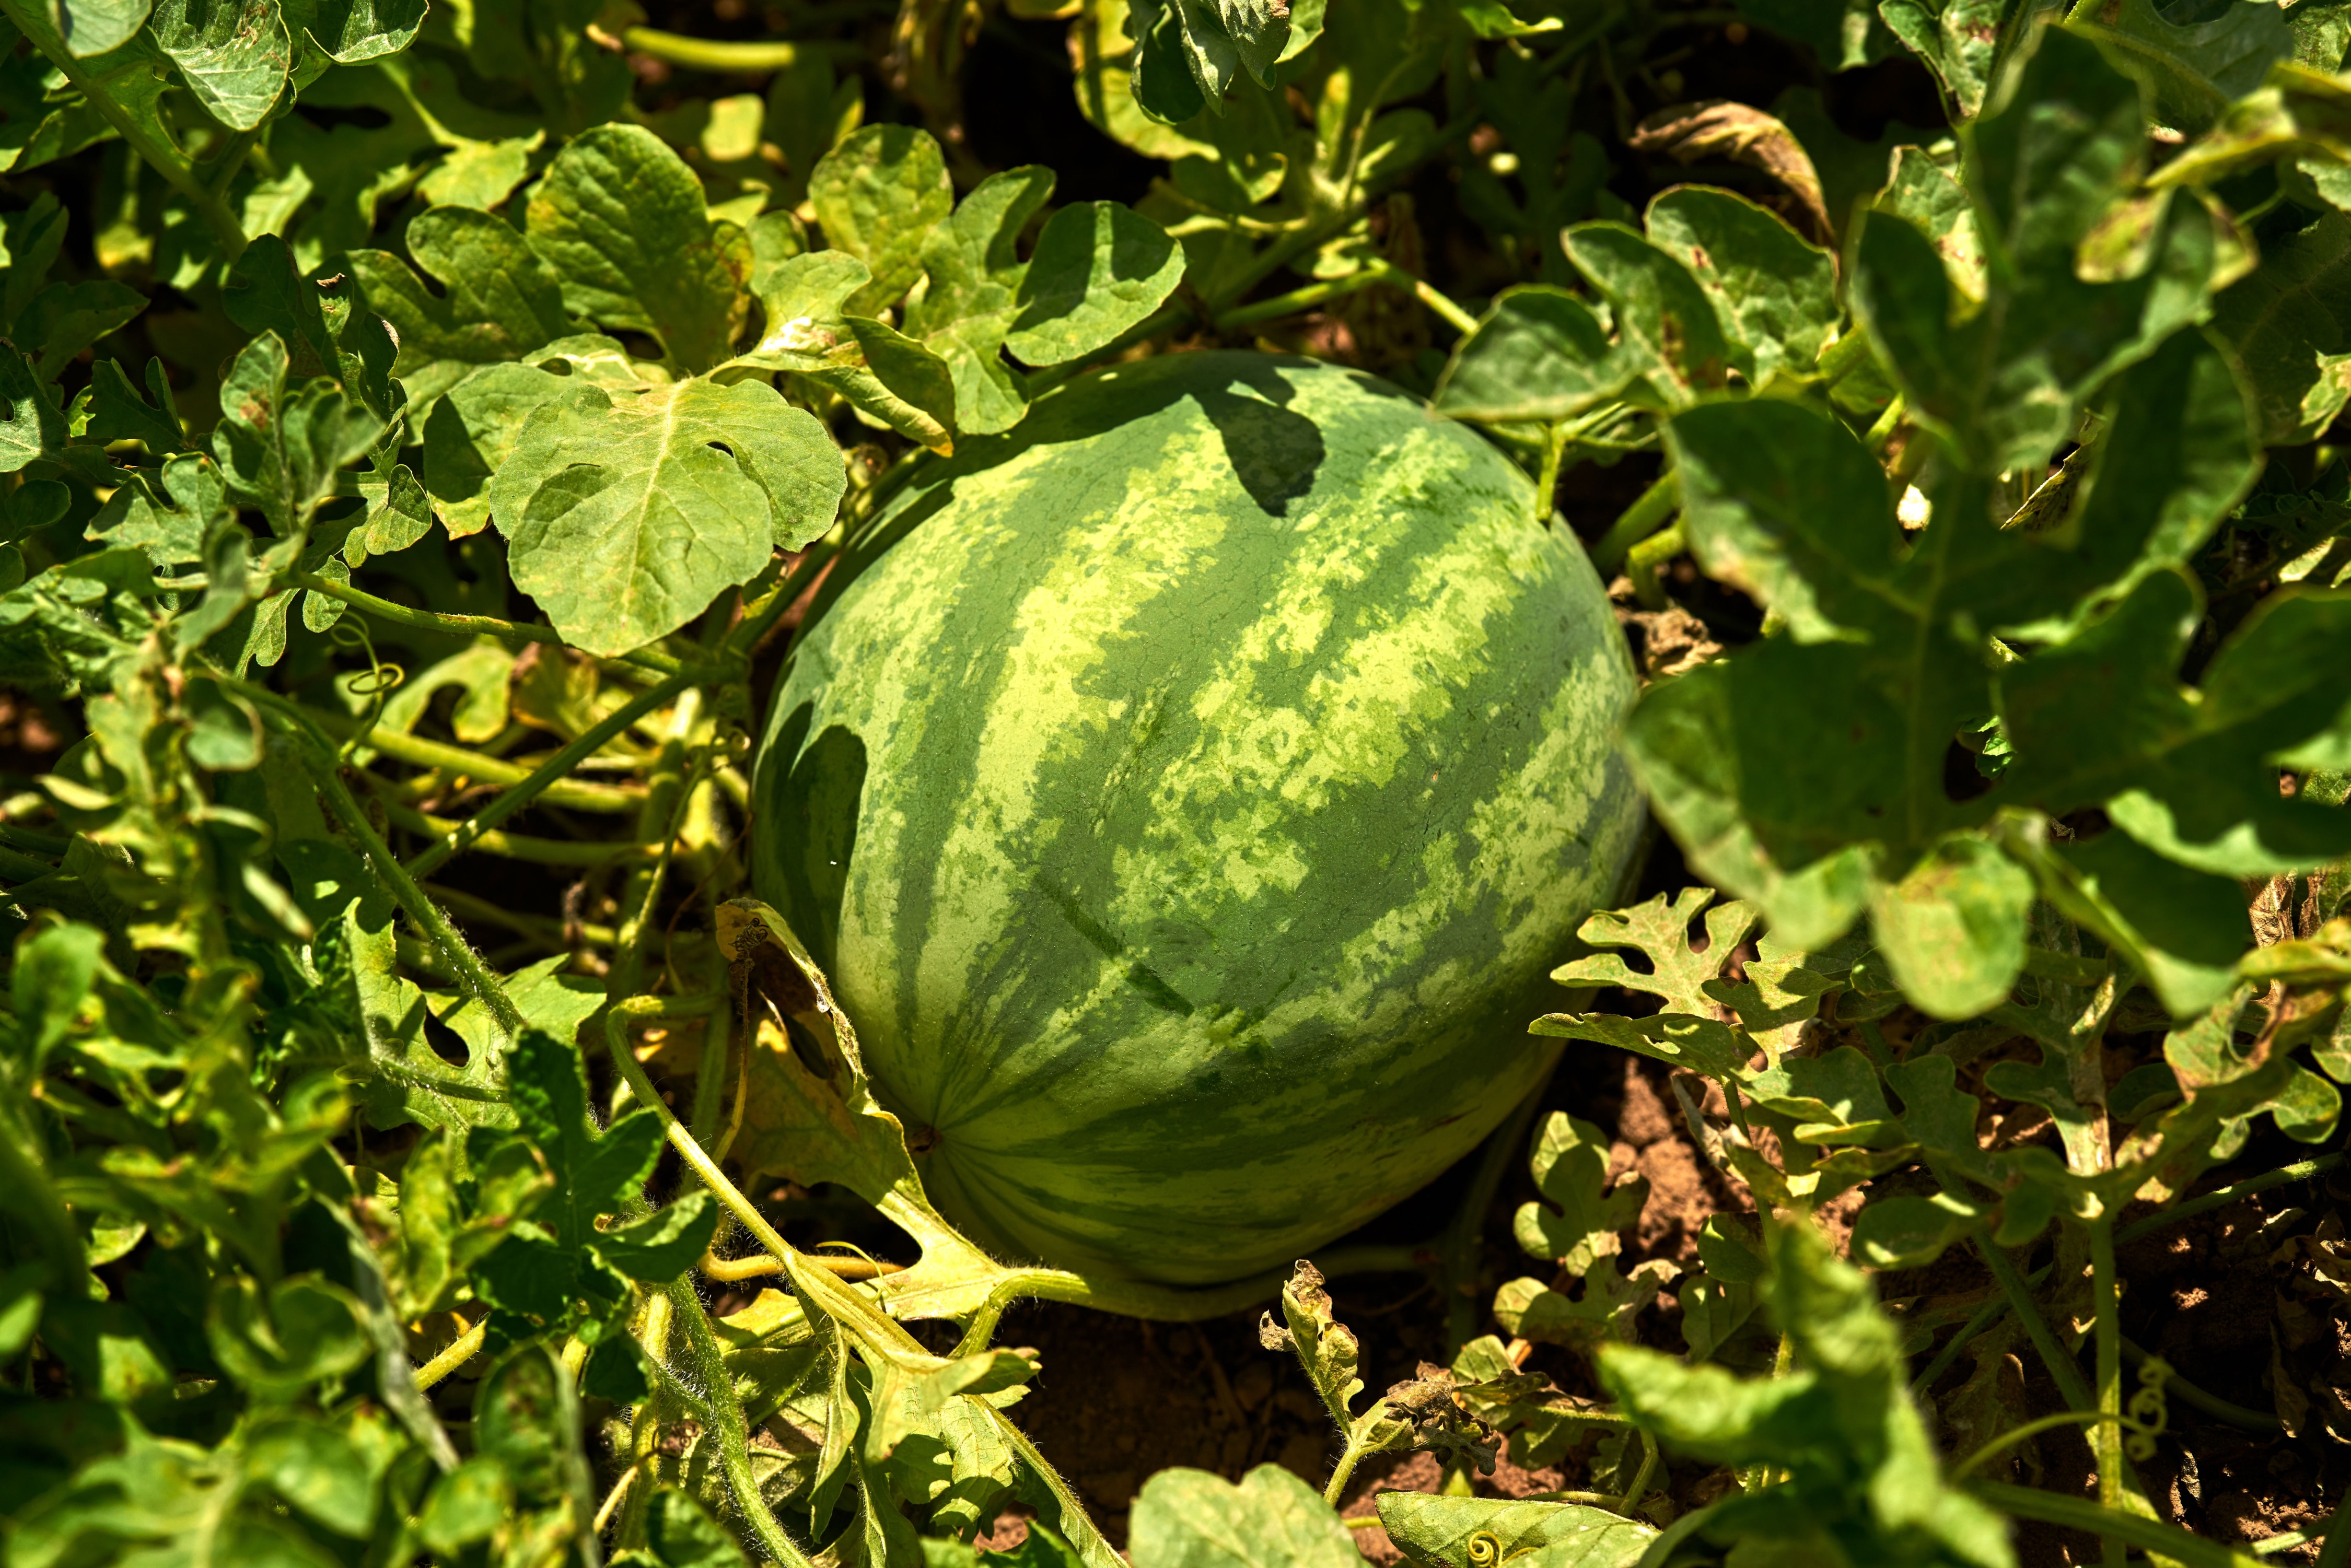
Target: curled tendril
380, 681
2148, 1413
1486, 1551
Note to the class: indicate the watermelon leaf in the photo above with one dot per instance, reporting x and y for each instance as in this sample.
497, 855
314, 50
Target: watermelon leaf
1433, 1528
1191, 1519
878, 195
626, 516
497, 300
621, 220
1099, 270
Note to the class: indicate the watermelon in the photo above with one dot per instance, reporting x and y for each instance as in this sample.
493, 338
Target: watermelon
1188, 792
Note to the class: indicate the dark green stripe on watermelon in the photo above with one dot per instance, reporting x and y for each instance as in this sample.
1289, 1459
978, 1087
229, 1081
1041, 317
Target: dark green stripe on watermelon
1188, 792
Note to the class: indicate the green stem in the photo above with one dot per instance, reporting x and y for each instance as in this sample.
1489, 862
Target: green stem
541, 779
647, 1423
2068, 1377
814, 1287
727, 1421
760, 616
1297, 299
1165, 1304
457, 1354
2125, 1529
1640, 1487
161, 154
1847, 354
538, 927
2178, 1388
1647, 557
1464, 1236
1887, 422
2106, 1306
713, 55
17, 866
508, 846
1555, 451
2219, 1197
1645, 516
2337, 1554
457, 759
1348, 1459
1372, 274
2009, 1439
1985, 1316
38, 843
319, 757
514, 633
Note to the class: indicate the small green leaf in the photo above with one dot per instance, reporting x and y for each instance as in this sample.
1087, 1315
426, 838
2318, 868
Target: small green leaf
1099, 269
1577, 1225
1953, 926
64, 319
1660, 932
1324, 1346
684, 1536
232, 54
1774, 293
32, 426
902, 383
93, 27
465, 1505
116, 412
278, 1345
1910, 1231
1663, 316
1540, 353
350, 32
661, 1247
318, 1469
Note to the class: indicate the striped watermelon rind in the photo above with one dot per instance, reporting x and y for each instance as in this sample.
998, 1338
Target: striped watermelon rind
1188, 792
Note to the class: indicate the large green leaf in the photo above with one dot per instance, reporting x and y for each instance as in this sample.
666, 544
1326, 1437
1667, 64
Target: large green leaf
877, 196
1191, 1519
2290, 324
2192, 71
626, 515
1883, 633
1435, 1530
2003, 386
621, 220
497, 298
1539, 354
1774, 292
1099, 270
